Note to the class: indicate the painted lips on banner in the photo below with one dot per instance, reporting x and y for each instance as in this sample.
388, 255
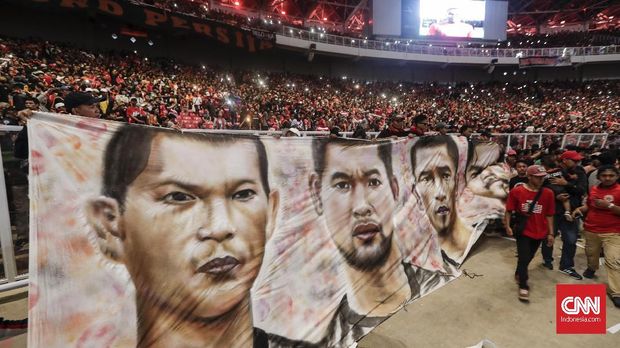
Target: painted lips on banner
152, 237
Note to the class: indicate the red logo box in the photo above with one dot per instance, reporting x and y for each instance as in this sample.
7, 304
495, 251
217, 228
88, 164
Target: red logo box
580, 309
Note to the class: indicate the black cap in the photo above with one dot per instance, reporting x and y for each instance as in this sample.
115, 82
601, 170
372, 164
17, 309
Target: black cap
75, 99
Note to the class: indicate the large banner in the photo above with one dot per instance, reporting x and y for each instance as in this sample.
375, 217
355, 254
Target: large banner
153, 237
153, 18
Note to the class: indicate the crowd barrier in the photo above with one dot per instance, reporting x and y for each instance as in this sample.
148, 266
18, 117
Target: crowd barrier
14, 204
461, 50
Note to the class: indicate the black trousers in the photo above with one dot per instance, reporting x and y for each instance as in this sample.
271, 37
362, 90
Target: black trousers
526, 249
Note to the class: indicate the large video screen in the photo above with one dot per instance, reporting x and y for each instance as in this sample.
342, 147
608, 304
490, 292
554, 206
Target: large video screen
452, 18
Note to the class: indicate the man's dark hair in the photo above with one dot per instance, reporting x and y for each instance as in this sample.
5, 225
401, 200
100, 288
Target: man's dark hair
522, 160
319, 148
128, 152
607, 158
548, 161
420, 119
464, 128
435, 141
605, 168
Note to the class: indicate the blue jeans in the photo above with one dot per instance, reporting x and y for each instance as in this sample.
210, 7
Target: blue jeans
569, 232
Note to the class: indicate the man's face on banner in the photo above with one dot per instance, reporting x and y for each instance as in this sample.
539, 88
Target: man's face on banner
435, 183
484, 178
358, 202
193, 231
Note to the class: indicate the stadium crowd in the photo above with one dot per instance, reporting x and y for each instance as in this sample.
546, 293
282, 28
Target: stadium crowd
136, 89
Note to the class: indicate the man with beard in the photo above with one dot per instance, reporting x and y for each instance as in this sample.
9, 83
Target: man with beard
354, 188
191, 234
434, 161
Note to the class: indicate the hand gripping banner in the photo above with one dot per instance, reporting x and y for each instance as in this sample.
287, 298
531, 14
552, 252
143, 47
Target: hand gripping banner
151, 237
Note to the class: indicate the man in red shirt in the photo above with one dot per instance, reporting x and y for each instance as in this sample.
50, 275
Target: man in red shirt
602, 228
539, 225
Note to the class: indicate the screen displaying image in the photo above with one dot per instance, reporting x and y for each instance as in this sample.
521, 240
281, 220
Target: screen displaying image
452, 18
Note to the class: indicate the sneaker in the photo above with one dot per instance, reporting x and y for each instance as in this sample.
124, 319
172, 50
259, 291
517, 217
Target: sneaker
588, 273
616, 301
548, 265
524, 295
572, 273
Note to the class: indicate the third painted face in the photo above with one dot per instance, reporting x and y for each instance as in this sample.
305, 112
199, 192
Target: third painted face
435, 183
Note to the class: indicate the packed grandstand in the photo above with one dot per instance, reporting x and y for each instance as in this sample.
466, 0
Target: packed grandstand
160, 92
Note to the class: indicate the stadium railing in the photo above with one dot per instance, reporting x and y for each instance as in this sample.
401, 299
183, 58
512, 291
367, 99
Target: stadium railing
403, 45
14, 205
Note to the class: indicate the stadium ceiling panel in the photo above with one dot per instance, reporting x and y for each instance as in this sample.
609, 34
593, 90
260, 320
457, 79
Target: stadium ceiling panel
527, 15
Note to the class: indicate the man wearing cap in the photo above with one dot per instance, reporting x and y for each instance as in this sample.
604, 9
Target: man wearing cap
575, 184
442, 128
396, 128
511, 163
539, 224
291, 132
82, 104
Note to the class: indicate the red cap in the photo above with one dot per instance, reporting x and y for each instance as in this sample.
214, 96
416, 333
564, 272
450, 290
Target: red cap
571, 155
536, 170
511, 152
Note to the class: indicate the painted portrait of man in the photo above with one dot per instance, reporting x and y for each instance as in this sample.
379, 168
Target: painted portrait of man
190, 233
434, 161
354, 189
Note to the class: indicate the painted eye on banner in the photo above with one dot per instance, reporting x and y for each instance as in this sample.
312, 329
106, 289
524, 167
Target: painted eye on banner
244, 195
374, 182
343, 185
178, 197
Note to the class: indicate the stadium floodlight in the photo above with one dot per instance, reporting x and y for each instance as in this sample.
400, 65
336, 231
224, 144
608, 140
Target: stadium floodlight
133, 39
151, 43
114, 36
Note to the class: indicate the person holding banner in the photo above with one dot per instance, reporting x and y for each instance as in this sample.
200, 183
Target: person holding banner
354, 188
190, 234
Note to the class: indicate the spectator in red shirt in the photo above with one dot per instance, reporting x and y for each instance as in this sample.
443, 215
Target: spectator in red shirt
134, 112
539, 225
602, 228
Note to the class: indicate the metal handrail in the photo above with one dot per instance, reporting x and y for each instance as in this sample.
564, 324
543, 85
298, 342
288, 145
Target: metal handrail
407, 46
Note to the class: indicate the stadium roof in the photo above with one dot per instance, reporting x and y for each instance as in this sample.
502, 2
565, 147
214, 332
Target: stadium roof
524, 16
